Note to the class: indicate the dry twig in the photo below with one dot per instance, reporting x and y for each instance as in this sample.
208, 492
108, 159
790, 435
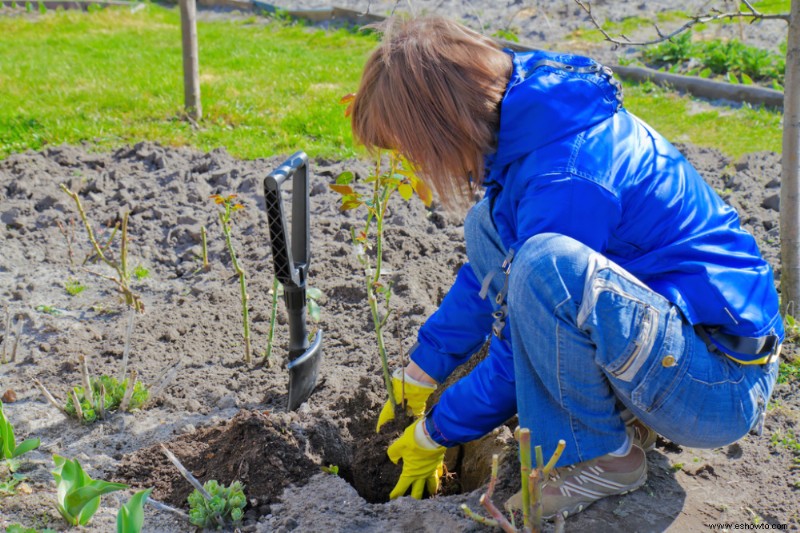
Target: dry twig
751, 13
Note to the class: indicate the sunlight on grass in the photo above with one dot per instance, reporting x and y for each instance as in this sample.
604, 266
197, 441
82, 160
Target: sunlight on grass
113, 77
681, 119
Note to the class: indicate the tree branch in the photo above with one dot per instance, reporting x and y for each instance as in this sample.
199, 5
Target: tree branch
753, 14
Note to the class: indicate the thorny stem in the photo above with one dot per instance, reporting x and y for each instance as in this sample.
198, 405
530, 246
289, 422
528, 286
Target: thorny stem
525, 472
191, 479
101, 405
131, 299
274, 313
537, 489
123, 253
49, 397
6, 337
486, 501
204, 240
77, 403
69, 239
87, 382
478, 518
126, 398
554, 459
502, 521
226, 229
164, 507
17, 335
166, 379
92, 253
127, 347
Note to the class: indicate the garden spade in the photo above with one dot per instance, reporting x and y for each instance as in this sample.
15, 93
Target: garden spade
291, 260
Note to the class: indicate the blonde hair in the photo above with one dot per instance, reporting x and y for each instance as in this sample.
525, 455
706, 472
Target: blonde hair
431, 90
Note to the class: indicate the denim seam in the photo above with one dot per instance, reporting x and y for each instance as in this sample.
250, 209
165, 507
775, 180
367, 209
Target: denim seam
561, 380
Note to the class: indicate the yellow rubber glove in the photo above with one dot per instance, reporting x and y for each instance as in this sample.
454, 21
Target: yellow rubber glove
417, 394
423, 462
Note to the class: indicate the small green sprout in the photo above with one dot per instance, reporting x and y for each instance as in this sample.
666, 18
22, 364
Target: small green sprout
676, 467
130, 518
108, 395
227, 503
8, 446
74, 287
18, 528
9, 486
78, 494
141, 272
312, 295
331, 469
48, 309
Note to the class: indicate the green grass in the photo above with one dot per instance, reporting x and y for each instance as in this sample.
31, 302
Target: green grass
113, 77
735, 132
771, 6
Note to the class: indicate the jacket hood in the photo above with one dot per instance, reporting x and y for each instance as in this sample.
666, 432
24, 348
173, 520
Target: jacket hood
550, 96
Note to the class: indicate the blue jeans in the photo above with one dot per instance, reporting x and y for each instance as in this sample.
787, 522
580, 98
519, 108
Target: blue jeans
590, 340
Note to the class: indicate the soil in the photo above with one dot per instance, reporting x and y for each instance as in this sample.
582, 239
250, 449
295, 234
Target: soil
226, 420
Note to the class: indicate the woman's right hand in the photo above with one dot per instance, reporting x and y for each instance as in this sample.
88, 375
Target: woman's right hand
415, 388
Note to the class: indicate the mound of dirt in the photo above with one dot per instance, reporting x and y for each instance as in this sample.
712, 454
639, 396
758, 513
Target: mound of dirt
252, 448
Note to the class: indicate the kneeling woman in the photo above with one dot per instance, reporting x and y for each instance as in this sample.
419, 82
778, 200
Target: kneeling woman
619, 291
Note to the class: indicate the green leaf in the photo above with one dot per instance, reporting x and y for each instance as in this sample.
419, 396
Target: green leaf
85, 501
746, 80
406, 191
732, 78
705, 73
78, 495
130, 518
345, 178
344, 190
313, 293
313, 310
26, 446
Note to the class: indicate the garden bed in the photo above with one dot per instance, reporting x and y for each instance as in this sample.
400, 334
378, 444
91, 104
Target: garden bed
227, 420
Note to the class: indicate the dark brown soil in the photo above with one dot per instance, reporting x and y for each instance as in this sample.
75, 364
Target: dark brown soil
252, 448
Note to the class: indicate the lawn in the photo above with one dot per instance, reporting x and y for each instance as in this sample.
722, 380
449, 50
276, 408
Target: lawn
113, 77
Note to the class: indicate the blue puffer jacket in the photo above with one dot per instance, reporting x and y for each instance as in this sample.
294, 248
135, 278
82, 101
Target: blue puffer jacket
571, 160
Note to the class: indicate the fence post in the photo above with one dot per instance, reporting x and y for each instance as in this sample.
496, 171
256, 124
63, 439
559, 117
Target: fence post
191, 68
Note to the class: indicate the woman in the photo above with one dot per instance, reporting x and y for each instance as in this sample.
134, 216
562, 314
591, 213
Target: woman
610, 277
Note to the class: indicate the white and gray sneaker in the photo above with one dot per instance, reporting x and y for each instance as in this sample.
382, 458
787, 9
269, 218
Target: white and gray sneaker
570, 489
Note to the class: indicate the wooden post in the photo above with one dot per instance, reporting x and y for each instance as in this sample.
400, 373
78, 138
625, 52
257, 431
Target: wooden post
790, 180
191, 68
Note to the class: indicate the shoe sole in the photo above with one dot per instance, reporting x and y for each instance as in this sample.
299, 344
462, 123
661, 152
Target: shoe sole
581, 506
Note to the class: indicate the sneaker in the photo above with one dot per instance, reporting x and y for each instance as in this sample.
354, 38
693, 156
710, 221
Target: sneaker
643, 436
571, 489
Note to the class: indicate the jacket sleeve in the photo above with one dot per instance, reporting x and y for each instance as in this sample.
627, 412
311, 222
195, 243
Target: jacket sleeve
477, 403
485, 398
456, 330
